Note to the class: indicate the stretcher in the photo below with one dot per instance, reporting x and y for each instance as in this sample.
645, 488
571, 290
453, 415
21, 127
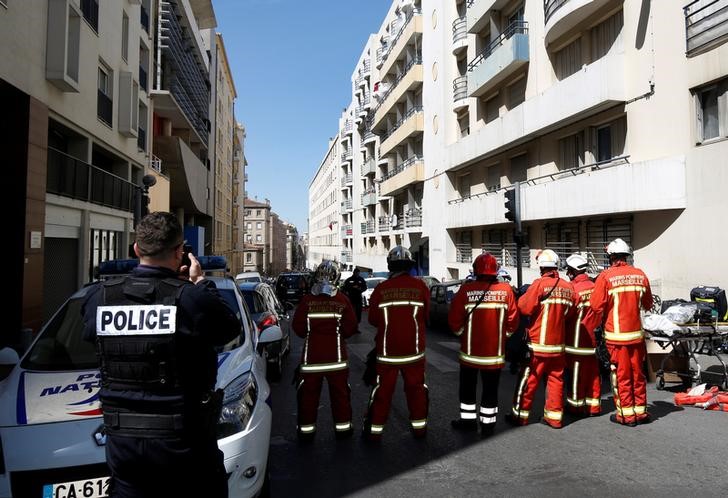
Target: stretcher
691, 339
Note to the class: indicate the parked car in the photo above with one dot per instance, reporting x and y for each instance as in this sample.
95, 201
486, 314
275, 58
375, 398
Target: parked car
372, 282
248, 276
441, 296
292, 286
266, 311
50, 414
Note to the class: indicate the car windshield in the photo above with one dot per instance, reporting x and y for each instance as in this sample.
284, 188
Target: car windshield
254, 301
248, 279
61, 345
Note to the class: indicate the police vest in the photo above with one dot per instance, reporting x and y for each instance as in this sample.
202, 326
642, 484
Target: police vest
136, 329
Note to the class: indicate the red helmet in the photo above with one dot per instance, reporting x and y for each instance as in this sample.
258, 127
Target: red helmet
485, 264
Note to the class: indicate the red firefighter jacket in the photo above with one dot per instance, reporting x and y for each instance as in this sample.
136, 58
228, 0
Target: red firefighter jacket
619, 293
324, 322
483, 324
580, 338
398, 308
551, 304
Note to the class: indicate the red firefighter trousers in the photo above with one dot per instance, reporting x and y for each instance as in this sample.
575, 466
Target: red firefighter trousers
415, 391
585, 386
628, 381
553, 368
309, 392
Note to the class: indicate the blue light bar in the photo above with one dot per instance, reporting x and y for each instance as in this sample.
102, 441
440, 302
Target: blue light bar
117, 266
212, 262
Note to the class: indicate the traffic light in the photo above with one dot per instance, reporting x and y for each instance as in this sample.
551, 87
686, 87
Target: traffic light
511, 206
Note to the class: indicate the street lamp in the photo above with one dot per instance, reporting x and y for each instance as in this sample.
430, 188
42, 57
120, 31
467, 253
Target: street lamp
141, 198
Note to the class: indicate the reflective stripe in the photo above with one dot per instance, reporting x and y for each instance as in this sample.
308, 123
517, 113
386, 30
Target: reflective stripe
623, 336
520, 413
323, 367
501, 316
384, 335
519, 394
483, 360
306, 428
376, 429
627, 411
488, 411
544, 348
417, 329
401, 303
577, 328
487, 420
580, 351
575, 402
593, 401
468, 415
627, 288
575, 381
639, 409
544, 323
486, 306
465, 406
325, 315
418, 424
558, 300
400, 359
615, 315
553, 415
344, 426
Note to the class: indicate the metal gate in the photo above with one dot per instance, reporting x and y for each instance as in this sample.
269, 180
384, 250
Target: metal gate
60, 273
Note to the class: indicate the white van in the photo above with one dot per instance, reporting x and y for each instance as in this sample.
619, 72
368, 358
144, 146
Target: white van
248, 276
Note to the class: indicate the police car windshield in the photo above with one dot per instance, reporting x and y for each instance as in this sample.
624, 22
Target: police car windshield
61, 345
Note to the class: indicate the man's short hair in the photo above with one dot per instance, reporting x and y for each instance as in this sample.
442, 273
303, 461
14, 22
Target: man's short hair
158, 234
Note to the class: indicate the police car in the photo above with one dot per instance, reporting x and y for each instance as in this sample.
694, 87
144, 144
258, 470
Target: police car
51, 431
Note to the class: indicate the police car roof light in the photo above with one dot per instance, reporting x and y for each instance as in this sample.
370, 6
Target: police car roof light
212, 262
117, 266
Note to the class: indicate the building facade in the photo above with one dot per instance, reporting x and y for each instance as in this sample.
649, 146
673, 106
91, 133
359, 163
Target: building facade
240, 177
74, 89
612, 115
324, 210
257, 235
278, 242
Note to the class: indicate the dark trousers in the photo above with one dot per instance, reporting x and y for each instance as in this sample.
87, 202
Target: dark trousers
153, 467
489, 379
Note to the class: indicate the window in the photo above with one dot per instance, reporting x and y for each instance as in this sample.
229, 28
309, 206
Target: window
711, 104
519, 169
257, 212
517, 93
492, 108
259, 238
105, 104
124, 36
604, 143
248, 225
571, 152
247, 213
567, 61
609, 140
494, 180
248, 257
463, 185
90, 9
259, 225
606, 35
105, 246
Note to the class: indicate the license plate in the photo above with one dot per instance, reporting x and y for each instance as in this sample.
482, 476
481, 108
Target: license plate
88, 488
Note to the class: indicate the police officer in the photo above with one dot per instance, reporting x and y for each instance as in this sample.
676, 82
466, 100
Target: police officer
324, 319
397, 309
156, 331
354, 287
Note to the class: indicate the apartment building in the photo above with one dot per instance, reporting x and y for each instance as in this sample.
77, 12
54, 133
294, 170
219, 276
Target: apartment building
277, 236
257, 235
324, 208
294, 252
224, 130
181, 93
612, 115
240, 177
76, 115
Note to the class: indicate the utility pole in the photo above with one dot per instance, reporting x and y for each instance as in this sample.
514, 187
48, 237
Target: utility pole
513, 213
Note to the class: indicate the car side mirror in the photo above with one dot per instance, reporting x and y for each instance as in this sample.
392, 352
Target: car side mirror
8, 359
270, 334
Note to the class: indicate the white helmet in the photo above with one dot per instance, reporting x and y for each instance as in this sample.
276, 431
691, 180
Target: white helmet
547, 259
577, 262
618, 246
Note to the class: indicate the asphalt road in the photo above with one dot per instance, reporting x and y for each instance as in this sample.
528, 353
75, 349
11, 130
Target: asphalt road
683, 452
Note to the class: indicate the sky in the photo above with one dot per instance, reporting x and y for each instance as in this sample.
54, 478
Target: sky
292, 62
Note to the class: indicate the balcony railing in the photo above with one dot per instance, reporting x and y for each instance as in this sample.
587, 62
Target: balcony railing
368, 167
70, 177
413, 218
402, 166
505, 254
347, 231
415, 61
463, 253
346, 180
401, 121
367, 227
368, 135
550, 7
346, 155
105, 108
366, 66
395, 26
346, 205
460, 88
380, 52
143, 79
142, 139
384, 223
346, 257
459, 29
706, 25
156, 164
348, 127
512, 29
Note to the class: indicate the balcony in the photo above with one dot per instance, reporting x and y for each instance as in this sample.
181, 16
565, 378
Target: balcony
478, 11
412, 123
563, 103
346, 180
503, 57
70, 177
384, 223
412, 219
564, 16
463, 253
605, 188
347, 231
369, 197
369, 167
459, 35
460, 93
367, 227
368, 137
380, 54
505, 254
401, 176
346, 257
346, 205
346, 155
347, 129
706, 25
411, 27
409, 79
188, 176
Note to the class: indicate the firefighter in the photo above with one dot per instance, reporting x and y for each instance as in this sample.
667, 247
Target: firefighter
484, 314
398, 308
324, 318
584, 394
551, 304
620, 292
